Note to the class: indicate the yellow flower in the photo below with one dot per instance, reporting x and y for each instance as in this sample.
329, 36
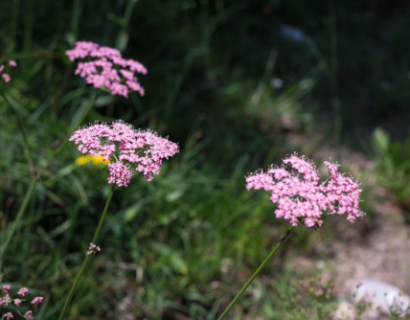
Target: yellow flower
99, 160
80, 161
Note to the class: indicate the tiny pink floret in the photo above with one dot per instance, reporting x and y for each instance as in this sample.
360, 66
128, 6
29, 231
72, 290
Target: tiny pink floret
104, 67
126, 148
22, 292
295, 188
8, 316
6, 77
29, 315
37, 301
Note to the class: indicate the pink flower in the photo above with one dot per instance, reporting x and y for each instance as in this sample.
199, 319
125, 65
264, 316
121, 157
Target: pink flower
37, 301
342, 194
93, 249
104, 67
22, 292
5, 301
6, 77
6, 288
295, 188
17, 302
29, 315
8, 316
120, 174
126, 148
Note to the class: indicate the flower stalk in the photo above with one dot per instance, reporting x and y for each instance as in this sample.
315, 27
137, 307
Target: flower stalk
87, 257
255, 274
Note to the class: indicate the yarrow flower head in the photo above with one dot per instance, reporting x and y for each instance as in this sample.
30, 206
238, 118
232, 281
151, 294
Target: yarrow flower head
8, 300
301, 198
5, 76
127, 149
104, 67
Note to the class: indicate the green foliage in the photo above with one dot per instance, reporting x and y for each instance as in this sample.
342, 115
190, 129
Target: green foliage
393, 167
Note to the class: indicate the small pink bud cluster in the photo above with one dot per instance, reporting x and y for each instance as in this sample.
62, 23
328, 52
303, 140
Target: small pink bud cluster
300, 198
8, 299
6, 77
93, 249
125, 148
104, 67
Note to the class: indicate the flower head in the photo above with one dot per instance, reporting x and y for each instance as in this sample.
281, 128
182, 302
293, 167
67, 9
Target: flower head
8, 299
126, 149
300, 198
80, 161
104, 67
93, 249
6, 77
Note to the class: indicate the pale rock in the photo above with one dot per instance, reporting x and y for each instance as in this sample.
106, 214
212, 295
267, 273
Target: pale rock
382, 298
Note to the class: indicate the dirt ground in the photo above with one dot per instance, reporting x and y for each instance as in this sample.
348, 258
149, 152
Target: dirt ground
378, 247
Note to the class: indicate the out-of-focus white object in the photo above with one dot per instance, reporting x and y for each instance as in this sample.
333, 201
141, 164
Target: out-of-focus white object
344, 311
378, 295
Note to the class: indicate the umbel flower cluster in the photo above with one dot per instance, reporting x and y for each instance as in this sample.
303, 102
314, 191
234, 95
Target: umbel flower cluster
125, 148
17, 301
301, 198
6, 77
104, 67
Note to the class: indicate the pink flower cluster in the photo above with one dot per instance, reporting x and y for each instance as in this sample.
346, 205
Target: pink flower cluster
7, 299
104, 67
126, 148
300, 198
93, 249
6, 77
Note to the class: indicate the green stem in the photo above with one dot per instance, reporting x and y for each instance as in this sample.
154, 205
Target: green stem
247, 284
23, 133
87, 258
17, 221
319, 313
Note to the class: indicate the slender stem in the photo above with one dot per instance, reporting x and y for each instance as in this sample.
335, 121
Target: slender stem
23, 133
97, 232
87, 258
319, 312
17, 221
282, 241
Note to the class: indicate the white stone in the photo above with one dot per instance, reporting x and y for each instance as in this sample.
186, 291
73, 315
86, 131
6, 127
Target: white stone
382, 297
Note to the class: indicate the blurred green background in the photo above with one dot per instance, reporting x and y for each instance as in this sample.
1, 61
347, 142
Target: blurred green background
238, 84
